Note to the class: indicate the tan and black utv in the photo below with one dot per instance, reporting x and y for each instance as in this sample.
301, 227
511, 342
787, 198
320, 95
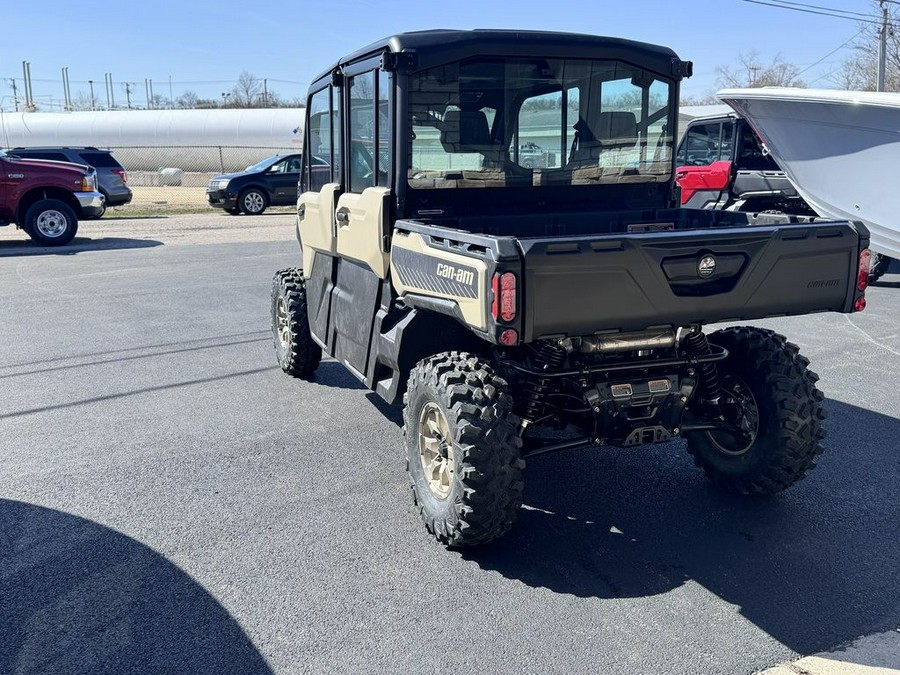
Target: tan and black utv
519, 305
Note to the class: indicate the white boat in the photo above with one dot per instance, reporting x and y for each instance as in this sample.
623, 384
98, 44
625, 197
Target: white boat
841, 149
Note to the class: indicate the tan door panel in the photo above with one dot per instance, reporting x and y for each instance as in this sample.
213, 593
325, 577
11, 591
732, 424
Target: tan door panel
361, 226
317, 227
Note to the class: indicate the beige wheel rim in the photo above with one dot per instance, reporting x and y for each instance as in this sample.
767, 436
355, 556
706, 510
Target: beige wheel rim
284, 330
436, 450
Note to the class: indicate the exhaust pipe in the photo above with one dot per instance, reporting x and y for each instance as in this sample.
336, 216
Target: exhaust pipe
627, 342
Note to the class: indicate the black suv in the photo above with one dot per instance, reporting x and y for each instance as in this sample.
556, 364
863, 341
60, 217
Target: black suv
271, 182
111, 176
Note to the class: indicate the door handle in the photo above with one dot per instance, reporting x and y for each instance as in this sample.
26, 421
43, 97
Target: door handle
342, 215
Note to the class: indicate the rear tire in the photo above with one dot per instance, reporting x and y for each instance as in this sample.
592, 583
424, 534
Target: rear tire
767, 385
51, 222
297, 352
253, 202
462, 449
879, 266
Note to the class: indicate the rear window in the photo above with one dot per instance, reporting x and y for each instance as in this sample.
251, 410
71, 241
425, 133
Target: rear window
99, 159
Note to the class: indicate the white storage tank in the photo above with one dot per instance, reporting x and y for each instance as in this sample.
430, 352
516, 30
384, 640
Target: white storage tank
191, 140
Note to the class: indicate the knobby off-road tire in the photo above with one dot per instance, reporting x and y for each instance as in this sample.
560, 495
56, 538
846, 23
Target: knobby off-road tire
51, 222
784, 408
297, 353
458, 420
878, 267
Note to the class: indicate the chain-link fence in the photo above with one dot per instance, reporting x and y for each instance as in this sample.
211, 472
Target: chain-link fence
174, 178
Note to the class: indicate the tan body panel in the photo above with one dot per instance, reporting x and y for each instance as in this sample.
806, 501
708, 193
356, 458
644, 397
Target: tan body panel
438, 273
360, 236
317, 227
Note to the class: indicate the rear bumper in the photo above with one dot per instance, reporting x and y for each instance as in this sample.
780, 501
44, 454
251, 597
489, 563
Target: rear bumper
119, 197
91, 203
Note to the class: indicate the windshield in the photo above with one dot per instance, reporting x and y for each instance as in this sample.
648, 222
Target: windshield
264, 164
533, 122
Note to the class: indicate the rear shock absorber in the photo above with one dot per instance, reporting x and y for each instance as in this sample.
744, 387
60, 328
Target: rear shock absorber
547, 356
710, 388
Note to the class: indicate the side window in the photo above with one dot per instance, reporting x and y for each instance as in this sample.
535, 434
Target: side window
55, 156
385, 135
362, 132
318, 141
702, 146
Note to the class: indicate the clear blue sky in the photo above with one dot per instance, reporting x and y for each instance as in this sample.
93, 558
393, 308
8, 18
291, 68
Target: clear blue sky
205, 46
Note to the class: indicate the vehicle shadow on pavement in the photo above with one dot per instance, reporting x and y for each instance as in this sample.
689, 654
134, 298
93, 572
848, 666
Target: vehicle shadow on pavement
812, 567
78, 597
334, 374
27, 247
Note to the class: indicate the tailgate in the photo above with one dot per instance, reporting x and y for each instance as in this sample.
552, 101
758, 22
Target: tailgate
580, 285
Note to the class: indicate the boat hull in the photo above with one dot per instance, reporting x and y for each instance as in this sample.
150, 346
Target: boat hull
840, 149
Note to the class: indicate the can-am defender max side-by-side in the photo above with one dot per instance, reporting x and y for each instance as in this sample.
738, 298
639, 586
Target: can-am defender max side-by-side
516, 309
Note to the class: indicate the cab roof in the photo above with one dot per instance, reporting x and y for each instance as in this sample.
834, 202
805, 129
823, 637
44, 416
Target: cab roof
434, 47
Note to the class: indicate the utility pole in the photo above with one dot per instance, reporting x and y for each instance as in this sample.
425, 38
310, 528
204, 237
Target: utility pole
265, 93
12, 84
110, 92
753, 75
67, 97
882, 47
91, 82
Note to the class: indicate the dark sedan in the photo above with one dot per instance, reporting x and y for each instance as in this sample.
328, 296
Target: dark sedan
271, 182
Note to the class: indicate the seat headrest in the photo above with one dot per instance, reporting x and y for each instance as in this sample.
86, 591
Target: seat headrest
617, 124
465, 131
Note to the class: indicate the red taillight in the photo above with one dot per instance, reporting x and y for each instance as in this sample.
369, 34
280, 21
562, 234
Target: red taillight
503, 307
121, 174
859, 305
509, 337
862, 277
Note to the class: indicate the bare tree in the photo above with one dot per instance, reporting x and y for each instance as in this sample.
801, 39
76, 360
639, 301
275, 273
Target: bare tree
247, 92
187, 100
159, 102
708, 99
750, 71
860, 71
82, 101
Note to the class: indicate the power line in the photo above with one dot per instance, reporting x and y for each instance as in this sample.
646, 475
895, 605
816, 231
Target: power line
829, 9
813, 65
872, 19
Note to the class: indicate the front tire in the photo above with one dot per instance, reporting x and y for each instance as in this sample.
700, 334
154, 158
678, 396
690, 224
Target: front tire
296, 351
767, 390
253, 202
462, 449
51, 222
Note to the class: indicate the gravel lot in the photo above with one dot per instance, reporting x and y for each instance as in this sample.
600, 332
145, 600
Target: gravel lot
170, 502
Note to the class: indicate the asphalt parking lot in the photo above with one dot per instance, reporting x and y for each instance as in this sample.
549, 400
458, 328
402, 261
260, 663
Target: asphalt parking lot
170, 502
